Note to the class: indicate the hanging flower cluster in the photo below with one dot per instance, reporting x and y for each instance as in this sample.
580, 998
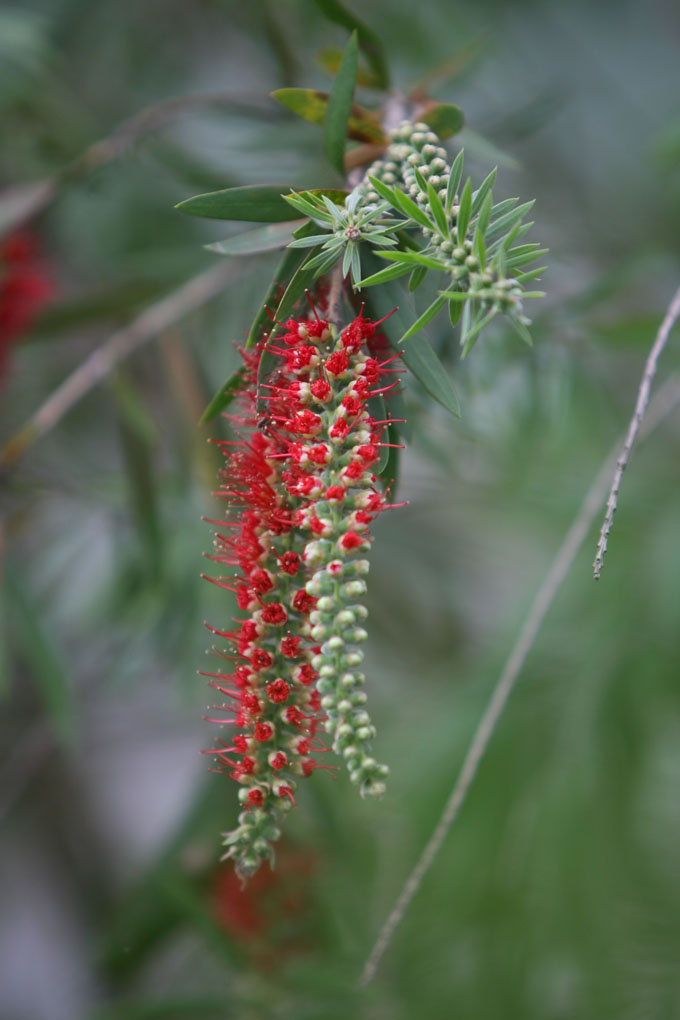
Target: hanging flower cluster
302, 493
24, 287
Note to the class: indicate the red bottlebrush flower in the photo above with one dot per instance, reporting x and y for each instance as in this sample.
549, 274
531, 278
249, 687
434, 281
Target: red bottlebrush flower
278, 691
274, 614
300, 497
24, 289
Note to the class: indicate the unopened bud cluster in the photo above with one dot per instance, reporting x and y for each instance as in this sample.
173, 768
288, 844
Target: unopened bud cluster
416, 147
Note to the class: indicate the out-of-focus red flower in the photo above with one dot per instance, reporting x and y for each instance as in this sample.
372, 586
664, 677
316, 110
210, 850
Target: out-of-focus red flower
273, 908
24, 289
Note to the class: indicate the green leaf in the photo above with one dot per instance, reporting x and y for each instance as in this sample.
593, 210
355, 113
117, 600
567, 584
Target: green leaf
476, 328
437, 210
419, 357
515, 261
420, 180
225, 395
411, 258
389, 194
302, 279
369, 41
510, 219
288, 265
427, 316
326, 258
408, 206
391, 273
339, 108
377, 411
479, 247
310, 209
532, 275
464, 211
445, 119
312, 106
388, 467
454, 179
34, 645
484, 214
455, 309
292, 258
423, 363
416, 278
261, 203
521, 330
330, 57
482, 191
252, 242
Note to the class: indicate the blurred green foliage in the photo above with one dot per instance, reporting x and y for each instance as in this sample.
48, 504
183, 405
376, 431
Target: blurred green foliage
558, 893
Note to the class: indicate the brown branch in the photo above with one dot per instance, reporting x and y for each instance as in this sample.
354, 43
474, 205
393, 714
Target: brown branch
19, 203
667, 398
120, 345
641, 403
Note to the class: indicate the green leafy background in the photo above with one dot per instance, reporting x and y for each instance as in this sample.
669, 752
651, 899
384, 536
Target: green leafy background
557, 895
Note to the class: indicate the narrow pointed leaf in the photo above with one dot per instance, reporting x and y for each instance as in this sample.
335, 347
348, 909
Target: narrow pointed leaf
479, 247
532, 275
309, 242
330, 57
312, 105
419, 357
437, 210
455, 310
286, 268
385, 275
339, 108
389, 194
484, 213
260, 203
500, 208
325, 259
454, 179
423, 363
224, 395
416, 278
411, 258
510, 218
464, 211
476, 329
408, 206
388, 467
427, 316
369, 41
253, 242
288, 265
465, 322
302, 279
521, 331
481, 193
420, 180
35, 647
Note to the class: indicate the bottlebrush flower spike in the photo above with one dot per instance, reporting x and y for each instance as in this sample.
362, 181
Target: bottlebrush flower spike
302, 493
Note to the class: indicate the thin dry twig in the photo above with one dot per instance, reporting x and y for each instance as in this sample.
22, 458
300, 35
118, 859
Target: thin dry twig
153, 321
671, 317
20, 203
667, 398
